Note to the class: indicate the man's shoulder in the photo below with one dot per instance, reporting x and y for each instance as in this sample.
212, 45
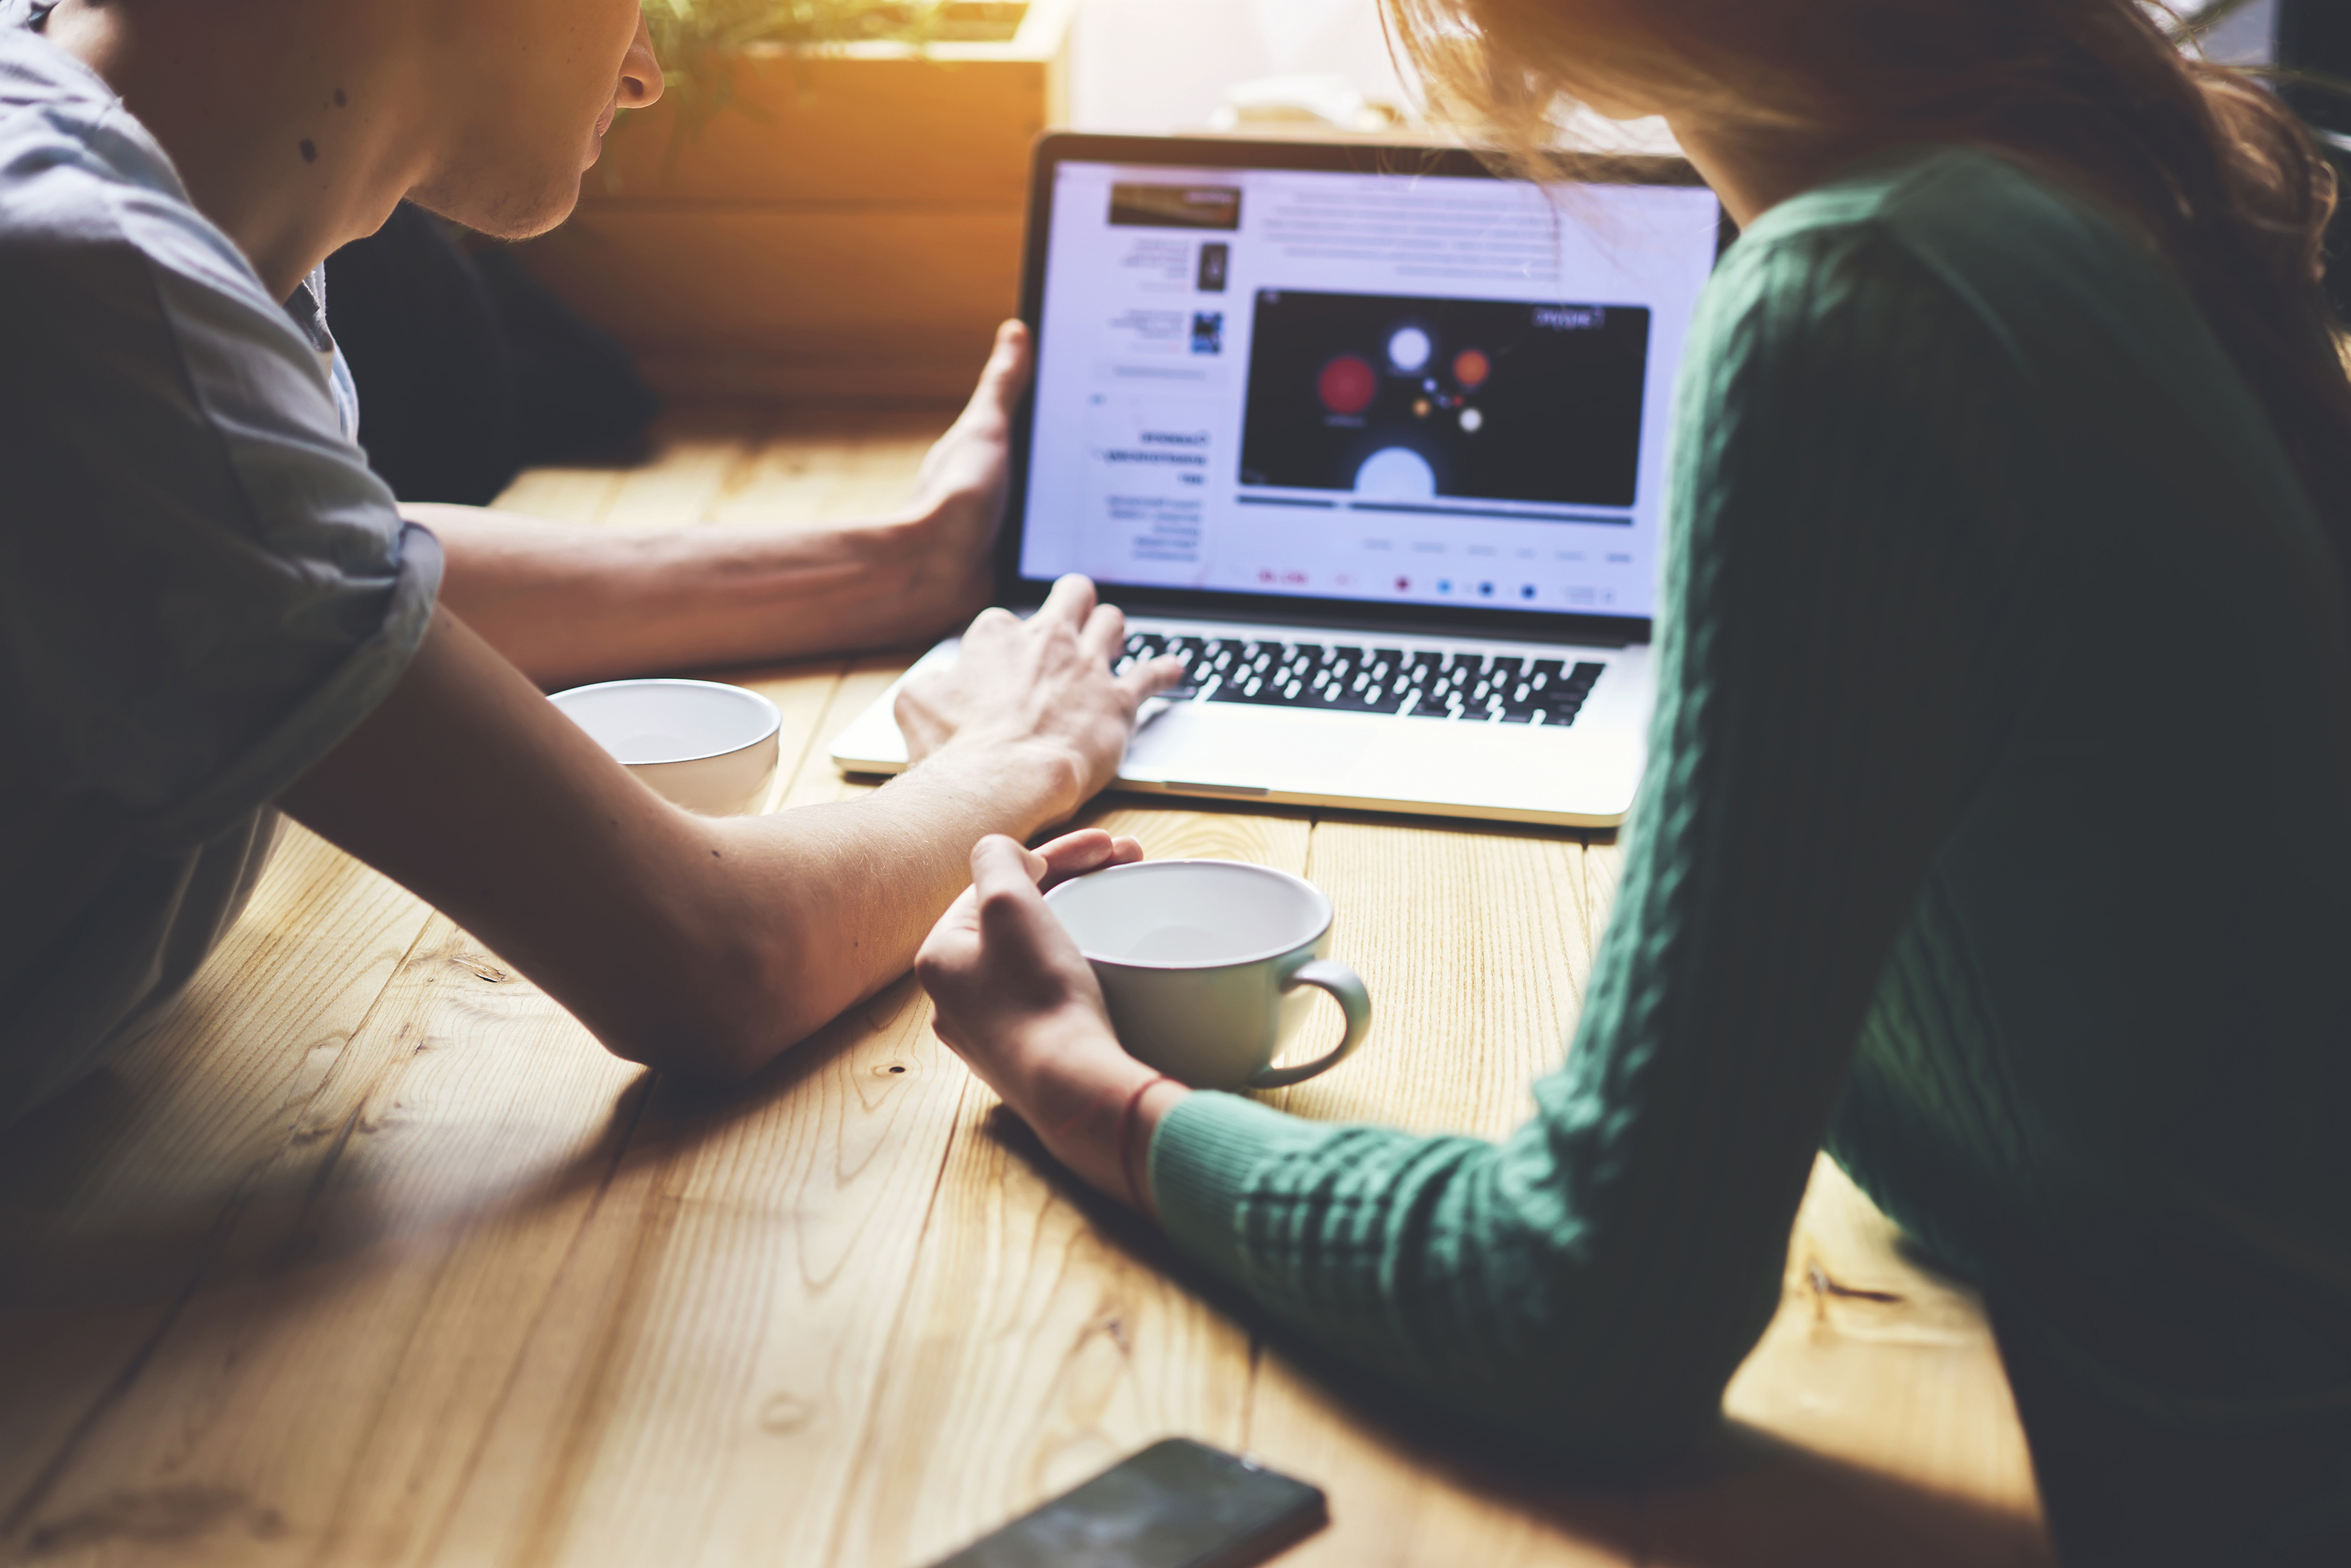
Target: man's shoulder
78, 173
40, 82
122, 306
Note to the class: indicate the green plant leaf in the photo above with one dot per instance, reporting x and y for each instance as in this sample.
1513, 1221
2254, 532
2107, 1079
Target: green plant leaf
691, 39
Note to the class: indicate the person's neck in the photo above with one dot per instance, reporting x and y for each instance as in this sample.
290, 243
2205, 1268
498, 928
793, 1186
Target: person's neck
1755, 167
285, 119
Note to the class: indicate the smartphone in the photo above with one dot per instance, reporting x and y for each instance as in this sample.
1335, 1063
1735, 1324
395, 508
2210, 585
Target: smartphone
1176, 1504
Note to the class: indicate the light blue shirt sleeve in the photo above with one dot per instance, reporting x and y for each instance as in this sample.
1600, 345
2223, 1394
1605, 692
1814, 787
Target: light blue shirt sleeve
203, 586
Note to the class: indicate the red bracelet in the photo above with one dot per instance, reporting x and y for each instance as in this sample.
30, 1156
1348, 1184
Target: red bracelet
1127, 1138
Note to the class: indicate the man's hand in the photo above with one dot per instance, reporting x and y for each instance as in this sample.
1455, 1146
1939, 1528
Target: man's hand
570, 603
959, 493
1020, 1004
1043, 691
706, 945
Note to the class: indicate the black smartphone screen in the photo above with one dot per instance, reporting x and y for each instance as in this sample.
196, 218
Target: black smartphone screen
1176, 1504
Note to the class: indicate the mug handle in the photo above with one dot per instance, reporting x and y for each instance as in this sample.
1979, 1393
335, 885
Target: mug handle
1346, 988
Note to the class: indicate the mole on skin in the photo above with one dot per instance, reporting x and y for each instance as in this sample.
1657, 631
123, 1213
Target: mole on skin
309, 150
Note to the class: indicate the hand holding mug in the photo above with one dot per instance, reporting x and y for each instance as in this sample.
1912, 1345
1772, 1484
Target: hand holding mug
1206, 962
1018, 1003
1206, 966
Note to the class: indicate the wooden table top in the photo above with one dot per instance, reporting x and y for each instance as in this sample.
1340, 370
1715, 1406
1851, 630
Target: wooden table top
371, 1255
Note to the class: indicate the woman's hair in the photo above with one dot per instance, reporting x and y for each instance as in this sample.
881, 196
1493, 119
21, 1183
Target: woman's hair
2225, 179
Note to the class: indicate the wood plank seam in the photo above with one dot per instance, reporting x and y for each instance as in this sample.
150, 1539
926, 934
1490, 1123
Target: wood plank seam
542, 1540
475, 1375
788, 770
836, 1539
224, 1225
1257, 1327
641, 1092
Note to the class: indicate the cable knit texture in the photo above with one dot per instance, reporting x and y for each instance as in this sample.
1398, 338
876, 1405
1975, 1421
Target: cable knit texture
1996, 834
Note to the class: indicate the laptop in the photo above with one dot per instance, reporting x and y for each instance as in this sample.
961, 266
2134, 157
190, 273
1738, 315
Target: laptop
1371, 440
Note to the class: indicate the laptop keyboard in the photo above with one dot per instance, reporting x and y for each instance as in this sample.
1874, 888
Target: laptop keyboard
1421, 683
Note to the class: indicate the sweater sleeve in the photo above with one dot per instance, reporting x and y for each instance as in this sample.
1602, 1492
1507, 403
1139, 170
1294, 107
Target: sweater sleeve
1591, 1282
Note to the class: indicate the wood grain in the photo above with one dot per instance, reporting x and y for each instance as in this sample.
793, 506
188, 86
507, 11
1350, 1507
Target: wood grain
789, 464
1473, 943
698, 464
804, 692
370, 1255
387, 1249
117, 1200
735, 1294
1402, 1496
1883, 1378
819, 464
1881, 1392
342, 1339
562, 494
1044, 1338
866, 677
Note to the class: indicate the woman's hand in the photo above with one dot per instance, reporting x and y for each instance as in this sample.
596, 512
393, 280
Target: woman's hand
1041, 692
1017, 1001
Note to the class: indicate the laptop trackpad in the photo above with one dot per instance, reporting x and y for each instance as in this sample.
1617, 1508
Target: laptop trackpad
1228, 743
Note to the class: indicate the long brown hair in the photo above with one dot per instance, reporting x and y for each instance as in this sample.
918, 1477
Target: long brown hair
2221, 175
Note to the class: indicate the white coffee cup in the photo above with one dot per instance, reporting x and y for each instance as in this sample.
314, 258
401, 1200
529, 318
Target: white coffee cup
709, 746
1206, 965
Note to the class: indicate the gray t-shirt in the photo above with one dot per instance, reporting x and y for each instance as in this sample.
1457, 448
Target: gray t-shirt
203, 587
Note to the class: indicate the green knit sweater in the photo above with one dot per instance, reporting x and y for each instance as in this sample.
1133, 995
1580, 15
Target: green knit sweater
1996, 835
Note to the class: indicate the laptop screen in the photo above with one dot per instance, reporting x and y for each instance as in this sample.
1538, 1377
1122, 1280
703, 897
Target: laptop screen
1413, 388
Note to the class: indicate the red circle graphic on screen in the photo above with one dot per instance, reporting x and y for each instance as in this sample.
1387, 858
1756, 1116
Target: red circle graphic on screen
1346, 384
1471, 367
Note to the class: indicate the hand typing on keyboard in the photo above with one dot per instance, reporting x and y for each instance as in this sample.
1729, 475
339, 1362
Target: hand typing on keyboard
1421, 683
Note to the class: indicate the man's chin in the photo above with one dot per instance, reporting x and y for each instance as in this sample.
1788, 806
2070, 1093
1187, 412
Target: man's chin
502, 214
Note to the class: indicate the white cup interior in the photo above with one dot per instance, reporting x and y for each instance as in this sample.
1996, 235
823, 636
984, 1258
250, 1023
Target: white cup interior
670, 720
1189, 913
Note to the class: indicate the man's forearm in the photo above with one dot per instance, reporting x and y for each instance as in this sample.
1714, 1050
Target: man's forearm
848, 890
705, 944
569, 603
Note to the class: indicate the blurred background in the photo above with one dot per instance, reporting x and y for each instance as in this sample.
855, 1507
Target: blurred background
826, 206
1166, 65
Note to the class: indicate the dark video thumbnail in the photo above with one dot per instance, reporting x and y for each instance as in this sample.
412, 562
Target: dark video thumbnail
1407, 399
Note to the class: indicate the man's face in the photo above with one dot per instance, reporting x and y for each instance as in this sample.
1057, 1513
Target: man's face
532, 86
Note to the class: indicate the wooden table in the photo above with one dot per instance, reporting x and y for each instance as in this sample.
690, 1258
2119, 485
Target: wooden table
371, 1255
